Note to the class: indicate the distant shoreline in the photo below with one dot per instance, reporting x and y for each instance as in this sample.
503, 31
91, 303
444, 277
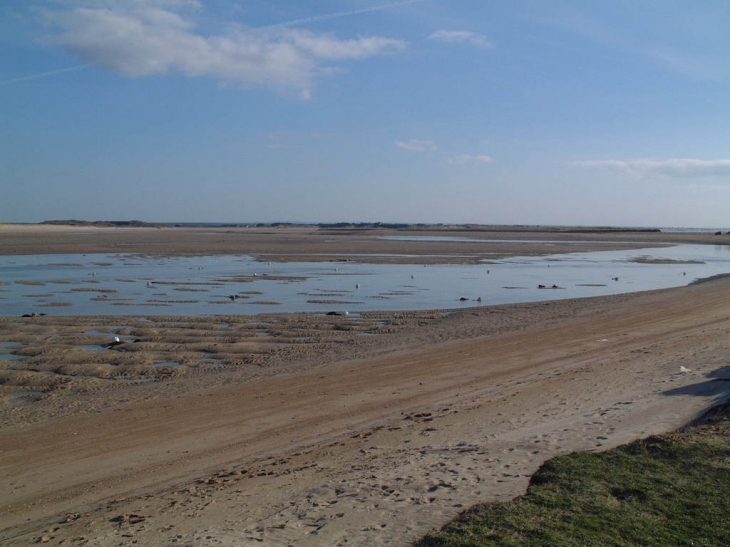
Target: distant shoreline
348, 225
336, 243
415, 226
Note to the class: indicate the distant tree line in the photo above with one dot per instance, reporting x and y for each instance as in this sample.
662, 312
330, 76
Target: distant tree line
110, 223
357, 226
390, 225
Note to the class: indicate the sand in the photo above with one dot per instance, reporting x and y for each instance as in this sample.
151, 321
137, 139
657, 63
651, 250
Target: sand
313, 244
318, 435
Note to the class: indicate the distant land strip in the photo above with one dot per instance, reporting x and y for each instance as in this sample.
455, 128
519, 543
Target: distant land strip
350, 226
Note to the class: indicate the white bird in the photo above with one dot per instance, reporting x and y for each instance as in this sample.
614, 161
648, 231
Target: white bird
684, 370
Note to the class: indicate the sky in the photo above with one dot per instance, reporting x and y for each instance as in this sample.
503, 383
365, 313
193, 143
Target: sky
554, 112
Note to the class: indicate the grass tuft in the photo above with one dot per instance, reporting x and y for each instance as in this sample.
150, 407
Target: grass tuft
671, 489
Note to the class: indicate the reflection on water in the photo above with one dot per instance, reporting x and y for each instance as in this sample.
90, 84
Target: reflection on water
211, 285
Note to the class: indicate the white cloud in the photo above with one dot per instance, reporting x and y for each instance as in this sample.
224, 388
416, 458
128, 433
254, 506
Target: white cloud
140, 38
675, 168
415, 145
461, 37
466, 158
322, 46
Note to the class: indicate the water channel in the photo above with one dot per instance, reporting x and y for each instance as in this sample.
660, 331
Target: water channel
123, 284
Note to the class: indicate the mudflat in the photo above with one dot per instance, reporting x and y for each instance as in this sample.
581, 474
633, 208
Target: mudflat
304, 429
316, 244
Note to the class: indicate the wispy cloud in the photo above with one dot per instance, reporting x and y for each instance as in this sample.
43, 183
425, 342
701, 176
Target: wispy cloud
461, 37
675, 167
42, 75
466, 158
338, 14
415, 145
144, 38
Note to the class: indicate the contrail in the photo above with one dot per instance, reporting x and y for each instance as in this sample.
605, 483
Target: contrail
42, 75
337, 14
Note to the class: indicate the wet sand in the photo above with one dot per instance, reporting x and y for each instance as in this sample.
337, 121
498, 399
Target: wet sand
303, 429
313, 244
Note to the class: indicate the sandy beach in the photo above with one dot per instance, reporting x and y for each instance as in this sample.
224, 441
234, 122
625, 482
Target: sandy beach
295, 429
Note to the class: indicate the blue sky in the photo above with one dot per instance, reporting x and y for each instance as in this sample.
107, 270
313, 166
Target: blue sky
464, 111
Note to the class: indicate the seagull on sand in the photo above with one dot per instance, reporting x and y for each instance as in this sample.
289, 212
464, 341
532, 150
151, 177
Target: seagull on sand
115, 343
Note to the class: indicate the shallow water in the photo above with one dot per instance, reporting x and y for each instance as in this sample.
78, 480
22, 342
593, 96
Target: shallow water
546, 242
22, 396
136, 285
7, 356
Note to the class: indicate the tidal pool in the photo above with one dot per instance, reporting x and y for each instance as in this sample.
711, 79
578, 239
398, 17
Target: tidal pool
121, 284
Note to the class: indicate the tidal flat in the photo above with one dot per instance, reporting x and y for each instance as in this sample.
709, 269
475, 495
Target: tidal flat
370, 428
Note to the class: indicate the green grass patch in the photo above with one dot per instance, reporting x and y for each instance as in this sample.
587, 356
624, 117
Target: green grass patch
671, 489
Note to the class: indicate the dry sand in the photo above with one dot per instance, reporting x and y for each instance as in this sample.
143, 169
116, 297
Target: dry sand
318, 435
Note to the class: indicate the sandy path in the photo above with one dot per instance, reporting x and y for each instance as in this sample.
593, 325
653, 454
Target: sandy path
368, 452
